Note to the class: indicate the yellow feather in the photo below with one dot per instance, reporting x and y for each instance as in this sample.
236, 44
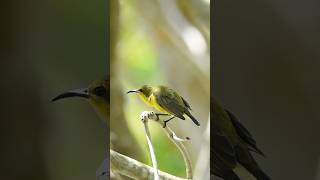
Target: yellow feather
151, 100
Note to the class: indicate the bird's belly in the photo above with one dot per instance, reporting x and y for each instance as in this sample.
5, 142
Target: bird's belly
152, 101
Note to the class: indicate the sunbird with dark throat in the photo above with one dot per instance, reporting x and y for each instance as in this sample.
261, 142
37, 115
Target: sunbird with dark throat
97, 94
165, 100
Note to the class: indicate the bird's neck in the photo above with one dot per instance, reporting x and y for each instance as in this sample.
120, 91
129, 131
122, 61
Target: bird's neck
101, 109
146, 99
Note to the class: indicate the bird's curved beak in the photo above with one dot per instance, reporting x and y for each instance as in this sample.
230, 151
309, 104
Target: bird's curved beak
132, 91
73, 93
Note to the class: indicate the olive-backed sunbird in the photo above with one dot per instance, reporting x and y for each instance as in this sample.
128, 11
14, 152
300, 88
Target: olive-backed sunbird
97, 94
165, 100
232, 144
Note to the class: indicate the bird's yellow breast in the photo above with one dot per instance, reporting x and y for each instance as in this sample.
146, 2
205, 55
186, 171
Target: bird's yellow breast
151, 100
154, 103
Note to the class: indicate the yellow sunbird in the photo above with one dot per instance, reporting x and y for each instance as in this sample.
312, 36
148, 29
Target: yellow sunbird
165, 100
97, 94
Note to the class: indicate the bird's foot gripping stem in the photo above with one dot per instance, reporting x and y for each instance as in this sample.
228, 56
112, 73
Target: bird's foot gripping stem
150, 115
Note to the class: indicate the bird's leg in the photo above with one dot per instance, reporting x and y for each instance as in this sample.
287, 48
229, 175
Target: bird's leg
166, 121
161, 114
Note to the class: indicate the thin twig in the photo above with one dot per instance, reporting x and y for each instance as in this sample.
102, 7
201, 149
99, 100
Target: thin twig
134, 169
183, 150
172, 136
144, 118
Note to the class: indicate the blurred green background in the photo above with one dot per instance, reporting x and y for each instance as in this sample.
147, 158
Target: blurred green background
158, 45
48, 47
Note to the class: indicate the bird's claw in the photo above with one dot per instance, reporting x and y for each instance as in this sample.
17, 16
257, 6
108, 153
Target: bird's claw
165, 123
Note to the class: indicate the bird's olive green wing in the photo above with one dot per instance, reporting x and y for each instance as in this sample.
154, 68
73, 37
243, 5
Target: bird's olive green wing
223, 154
186, 103
244, 134
171, 102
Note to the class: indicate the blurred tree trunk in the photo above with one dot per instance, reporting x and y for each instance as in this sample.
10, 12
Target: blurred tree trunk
122, 140
22, 121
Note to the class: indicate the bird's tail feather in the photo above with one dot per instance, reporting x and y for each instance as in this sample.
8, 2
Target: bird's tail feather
230, 175
193, 119
247, 161
260, 175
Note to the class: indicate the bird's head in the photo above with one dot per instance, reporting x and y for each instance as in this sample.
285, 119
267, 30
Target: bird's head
144, 92
97, 94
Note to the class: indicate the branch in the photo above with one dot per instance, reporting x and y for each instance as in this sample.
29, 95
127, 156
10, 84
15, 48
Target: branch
144, 118
202, 168
183, 150
172, 136
134, 169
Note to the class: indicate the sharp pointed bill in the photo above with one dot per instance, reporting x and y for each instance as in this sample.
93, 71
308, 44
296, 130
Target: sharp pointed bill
97, 94
73, 93
132, 91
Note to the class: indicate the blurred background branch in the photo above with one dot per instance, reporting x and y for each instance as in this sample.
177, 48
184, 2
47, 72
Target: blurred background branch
121, 138
134, 169
202, 167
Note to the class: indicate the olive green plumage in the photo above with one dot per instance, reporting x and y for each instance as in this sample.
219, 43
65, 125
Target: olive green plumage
232, 144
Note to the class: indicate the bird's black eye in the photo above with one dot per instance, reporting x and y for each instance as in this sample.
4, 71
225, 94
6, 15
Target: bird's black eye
141, 90
100, 91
